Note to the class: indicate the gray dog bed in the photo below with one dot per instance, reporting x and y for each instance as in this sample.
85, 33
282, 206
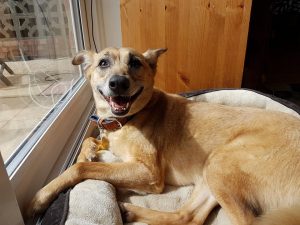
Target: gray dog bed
94, 202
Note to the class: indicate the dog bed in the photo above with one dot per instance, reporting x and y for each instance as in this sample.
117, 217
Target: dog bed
94, 202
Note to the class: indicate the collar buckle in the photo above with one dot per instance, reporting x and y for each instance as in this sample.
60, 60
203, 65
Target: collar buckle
115, 121
110, 123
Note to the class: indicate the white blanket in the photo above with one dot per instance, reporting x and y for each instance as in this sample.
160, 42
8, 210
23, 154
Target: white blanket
94, 202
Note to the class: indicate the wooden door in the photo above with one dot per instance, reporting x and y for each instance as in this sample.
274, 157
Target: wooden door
206, 40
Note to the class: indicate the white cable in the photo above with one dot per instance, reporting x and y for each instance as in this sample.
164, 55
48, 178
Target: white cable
35, 81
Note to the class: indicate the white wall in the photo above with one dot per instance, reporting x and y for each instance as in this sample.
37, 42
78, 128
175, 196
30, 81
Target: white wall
9, 209
112, 22
106, 23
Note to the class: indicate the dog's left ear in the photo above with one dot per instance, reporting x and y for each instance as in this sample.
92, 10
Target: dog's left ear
151, 56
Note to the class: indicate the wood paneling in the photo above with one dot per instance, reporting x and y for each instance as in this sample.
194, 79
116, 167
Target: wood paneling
206, 39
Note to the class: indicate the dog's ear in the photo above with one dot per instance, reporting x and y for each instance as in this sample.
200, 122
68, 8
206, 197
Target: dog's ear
151, 56
84, 57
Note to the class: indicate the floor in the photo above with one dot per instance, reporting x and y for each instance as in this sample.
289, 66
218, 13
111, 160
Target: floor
37, 86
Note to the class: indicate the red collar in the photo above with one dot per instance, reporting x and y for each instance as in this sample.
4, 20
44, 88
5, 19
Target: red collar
110, 123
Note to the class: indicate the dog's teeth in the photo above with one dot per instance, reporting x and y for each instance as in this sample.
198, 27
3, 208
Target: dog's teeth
119, 108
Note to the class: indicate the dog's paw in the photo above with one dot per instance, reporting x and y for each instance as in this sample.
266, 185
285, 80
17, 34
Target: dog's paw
90, 149
38, 204
127, 216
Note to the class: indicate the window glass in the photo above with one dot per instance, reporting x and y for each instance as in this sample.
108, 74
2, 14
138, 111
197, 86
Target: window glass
37, 43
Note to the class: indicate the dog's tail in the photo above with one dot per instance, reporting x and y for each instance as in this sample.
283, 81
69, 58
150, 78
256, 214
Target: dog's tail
284, 216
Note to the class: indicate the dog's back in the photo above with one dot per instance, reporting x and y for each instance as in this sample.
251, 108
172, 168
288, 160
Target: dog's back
254, 152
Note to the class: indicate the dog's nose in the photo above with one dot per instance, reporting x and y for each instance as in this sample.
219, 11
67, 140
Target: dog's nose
119, 84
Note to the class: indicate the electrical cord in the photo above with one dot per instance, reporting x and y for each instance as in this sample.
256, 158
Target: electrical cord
51, 32
92, 18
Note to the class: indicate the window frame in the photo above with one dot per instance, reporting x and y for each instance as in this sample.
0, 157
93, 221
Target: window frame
32, 173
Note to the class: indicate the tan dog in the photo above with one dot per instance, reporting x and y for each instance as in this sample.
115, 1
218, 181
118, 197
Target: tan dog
247, 160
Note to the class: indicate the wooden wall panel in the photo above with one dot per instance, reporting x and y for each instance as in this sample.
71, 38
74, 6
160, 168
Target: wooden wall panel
206, 39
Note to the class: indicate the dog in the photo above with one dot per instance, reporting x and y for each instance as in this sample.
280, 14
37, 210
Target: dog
245, 160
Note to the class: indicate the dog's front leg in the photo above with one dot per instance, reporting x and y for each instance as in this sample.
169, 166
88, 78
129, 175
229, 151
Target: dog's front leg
90, 148
133, 175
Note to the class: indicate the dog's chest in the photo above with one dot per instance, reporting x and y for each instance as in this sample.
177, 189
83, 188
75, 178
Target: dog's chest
119, 145
130, 143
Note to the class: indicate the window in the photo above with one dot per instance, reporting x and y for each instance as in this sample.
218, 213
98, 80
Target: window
37, 45
45, 101
42, 95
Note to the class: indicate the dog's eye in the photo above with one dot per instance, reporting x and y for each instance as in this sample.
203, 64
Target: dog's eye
135, 63
104, 63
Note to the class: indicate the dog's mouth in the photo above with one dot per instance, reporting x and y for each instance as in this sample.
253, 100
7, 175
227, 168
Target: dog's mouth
120, 105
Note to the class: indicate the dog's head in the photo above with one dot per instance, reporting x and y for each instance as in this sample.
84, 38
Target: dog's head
122, 79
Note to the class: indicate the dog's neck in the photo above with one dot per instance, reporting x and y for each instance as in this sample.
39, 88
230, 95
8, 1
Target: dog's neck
110, 123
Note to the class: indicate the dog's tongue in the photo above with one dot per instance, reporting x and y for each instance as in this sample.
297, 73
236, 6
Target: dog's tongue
119, 102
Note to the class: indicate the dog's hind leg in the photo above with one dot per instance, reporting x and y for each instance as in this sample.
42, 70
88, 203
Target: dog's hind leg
193, 212
232, 187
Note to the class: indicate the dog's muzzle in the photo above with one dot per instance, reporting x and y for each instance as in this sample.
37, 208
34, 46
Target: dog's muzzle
119, 85
118, 97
